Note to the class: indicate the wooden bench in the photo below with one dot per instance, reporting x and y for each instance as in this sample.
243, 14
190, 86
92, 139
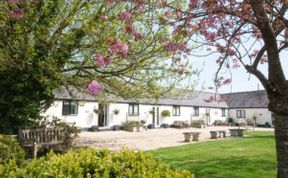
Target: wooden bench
236, 132
188, 135
37, 139
217, 134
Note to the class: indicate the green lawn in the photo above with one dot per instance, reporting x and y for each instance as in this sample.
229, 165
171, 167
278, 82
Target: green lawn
250, 157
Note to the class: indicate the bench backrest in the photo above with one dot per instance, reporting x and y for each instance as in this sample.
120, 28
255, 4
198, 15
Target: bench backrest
41, 136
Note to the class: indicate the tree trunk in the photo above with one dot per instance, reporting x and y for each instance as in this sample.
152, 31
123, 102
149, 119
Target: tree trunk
281, 138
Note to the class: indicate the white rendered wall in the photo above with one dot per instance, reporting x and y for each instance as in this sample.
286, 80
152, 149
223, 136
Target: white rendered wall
263, 115
85, 117
215, 114
120, 118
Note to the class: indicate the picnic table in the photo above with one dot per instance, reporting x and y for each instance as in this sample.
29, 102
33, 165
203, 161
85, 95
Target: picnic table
188, 135
217, 134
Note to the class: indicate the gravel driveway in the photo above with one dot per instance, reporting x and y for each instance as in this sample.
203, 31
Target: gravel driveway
145, 140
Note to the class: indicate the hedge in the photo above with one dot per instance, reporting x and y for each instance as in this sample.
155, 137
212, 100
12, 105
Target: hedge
96, 163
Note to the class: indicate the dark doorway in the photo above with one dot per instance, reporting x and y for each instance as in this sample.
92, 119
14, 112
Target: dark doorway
156, 116
102, 116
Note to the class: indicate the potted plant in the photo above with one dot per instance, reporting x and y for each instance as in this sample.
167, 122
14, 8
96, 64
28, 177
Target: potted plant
116, 111
96, 111
165, 113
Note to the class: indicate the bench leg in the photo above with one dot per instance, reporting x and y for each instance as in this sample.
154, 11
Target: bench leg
219, 135
187, 138
213, 135
35, 150
195, 137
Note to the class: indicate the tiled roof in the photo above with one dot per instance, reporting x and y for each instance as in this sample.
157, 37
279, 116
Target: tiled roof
195, 98
249, 99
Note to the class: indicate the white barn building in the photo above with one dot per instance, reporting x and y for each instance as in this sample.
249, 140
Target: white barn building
81, 109
246, 105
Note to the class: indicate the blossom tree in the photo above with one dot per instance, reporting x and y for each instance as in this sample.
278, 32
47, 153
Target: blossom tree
246, 33
100, 47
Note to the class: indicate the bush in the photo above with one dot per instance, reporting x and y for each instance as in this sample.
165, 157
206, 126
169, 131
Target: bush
10, 150
98, 163
165, 113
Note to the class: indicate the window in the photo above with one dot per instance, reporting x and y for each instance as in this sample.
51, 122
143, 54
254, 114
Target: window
240, 113
133, 109
176, 111
196, 111
223, 112
69, 108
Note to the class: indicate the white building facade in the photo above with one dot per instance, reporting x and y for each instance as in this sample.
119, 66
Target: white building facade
85, 111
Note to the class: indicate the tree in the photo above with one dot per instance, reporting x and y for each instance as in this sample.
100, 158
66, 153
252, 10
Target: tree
101, 47
247, 33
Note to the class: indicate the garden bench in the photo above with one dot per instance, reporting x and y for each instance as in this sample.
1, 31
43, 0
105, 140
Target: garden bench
217, 134
39, 138
187, 136
236, 132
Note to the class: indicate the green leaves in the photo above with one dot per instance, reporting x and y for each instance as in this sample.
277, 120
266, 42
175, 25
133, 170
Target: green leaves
53, 45
99, 163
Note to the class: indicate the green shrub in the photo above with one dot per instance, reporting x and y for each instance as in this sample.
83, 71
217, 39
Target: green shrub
98, 163
10, 150
165, 113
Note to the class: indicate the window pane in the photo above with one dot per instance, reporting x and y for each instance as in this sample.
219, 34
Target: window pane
74, 108
136, 109
66, 108
196, 111
130, 110
223, 112
69, 107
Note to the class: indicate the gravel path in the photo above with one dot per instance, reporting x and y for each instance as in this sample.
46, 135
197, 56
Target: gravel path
145, 140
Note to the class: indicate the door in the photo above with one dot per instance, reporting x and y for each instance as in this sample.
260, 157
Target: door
156, 116
207, 114
102, 116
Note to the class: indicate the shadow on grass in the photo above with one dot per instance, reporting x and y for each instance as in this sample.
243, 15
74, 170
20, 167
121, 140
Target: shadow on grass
262, 136
259, 134
233, 167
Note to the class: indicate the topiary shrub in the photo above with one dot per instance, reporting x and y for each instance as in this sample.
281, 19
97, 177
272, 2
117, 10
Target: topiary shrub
10, 150
98, 163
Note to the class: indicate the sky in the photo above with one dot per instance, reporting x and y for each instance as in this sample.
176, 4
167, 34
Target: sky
241, 80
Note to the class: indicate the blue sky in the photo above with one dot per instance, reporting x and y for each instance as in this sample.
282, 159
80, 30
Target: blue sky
241, 80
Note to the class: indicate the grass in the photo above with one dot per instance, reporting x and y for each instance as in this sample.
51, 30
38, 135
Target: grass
249, 157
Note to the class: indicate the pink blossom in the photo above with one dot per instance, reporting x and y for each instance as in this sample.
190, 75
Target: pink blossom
94, 88
17, 13
14, 1
286, 33
100, 60
181, 70
172, 47
193, 3
119, 48
129, 29
104, 17
138, 36
125, 16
